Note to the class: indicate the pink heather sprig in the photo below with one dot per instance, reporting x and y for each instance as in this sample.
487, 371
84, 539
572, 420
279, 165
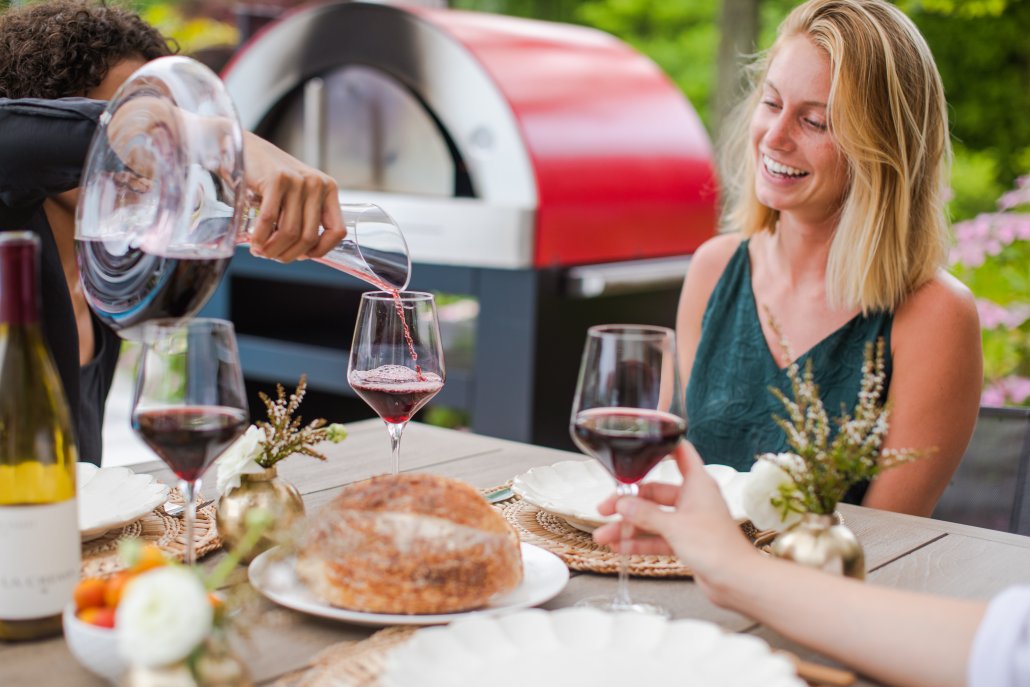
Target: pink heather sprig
1011, 390
1020, 195
987, 235
993, 315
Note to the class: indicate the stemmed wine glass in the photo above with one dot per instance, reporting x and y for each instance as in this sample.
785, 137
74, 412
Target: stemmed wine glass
190, 403
396, 359
628, 413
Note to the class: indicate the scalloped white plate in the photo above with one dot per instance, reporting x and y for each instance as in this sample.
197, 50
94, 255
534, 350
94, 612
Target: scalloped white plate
544, 575
114, 497
584, 646
573, 488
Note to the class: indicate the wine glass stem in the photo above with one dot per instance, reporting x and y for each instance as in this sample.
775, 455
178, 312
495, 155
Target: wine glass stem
189, 490
395, 429
622, 599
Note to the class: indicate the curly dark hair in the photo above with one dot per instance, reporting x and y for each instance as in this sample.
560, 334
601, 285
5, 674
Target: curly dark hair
64, 48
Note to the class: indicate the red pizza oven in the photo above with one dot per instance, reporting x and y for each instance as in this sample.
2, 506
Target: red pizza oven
548, 171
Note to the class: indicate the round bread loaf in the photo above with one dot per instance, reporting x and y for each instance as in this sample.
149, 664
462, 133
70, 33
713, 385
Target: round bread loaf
412, 544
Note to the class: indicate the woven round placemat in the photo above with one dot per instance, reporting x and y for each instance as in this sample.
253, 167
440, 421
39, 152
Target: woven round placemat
578, 549
100, 556
350, 664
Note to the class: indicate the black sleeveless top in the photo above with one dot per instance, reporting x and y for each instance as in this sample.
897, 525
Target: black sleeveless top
43, 145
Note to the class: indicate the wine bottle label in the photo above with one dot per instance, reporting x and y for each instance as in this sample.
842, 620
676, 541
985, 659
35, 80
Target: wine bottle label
39, 559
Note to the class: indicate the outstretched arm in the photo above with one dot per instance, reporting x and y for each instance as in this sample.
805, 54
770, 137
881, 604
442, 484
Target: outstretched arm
894, 636
44, 144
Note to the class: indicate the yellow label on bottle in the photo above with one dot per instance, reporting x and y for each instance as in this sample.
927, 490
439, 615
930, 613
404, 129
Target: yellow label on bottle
32, 482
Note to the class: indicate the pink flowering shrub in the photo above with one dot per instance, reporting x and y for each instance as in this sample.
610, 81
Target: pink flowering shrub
992, 256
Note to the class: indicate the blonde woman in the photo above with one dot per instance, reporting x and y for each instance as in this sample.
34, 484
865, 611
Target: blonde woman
835, 178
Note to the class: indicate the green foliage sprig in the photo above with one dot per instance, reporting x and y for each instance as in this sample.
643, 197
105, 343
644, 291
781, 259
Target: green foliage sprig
285, 434
826, 467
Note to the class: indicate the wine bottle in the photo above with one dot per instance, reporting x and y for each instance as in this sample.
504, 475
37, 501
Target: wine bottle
39, 533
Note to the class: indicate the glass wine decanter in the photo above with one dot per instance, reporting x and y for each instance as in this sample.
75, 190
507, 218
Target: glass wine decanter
163, 202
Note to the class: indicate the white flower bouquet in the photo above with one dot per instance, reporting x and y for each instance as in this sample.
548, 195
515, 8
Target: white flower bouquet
168, 615
164, 616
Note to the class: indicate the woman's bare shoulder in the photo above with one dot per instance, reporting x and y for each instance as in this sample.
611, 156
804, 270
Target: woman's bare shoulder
709, 261
943, 306
706, 266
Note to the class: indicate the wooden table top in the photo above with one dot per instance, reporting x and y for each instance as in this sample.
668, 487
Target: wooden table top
902, 551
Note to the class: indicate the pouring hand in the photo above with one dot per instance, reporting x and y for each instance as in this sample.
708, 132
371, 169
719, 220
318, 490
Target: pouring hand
296, 200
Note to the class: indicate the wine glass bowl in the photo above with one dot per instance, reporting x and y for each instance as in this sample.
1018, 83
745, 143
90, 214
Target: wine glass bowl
396, 359
628, 414
189, 403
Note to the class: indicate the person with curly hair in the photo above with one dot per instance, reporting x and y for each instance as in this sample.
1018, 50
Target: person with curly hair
59, 61
66, 48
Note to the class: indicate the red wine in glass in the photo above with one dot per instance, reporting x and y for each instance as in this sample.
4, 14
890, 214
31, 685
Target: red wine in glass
190, 402
395, 392
188, 439
628, 441
396, 358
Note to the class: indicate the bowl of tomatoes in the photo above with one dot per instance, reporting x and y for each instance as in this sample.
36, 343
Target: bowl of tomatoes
90, 619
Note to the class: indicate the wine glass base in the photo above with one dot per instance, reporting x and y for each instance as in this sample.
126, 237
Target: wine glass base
607, 603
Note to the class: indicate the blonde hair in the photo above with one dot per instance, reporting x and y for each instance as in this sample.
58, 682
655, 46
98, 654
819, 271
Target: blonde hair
888, 114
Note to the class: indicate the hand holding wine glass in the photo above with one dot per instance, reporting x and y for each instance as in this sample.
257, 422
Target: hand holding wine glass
628, 413
190, 403
396, 359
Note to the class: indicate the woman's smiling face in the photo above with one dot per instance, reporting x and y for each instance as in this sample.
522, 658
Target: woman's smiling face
799, 168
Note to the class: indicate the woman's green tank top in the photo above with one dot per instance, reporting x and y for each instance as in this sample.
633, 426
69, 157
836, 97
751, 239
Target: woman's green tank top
729, 406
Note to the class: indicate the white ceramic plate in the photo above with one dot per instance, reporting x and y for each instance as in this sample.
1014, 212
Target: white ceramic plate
543, 577
114, 497
584, 646
573, 488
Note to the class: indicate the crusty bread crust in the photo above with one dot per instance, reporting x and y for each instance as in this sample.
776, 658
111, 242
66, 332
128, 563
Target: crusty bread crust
410, 544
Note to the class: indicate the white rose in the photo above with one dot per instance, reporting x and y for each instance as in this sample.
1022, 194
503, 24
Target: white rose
239, 458
163, 616
764, 484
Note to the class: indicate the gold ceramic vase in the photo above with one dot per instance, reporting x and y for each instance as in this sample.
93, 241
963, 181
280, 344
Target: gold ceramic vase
818, 542
259, 490
175, 675
219, 666
215, 665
